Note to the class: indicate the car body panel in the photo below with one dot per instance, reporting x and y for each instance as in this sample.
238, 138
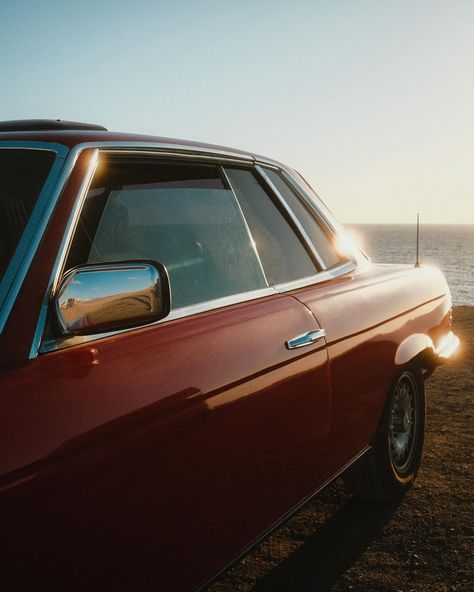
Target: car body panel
393, 303
178, 426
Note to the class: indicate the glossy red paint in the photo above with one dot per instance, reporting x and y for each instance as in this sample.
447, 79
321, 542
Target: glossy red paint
391, 303
164, 436
153, 457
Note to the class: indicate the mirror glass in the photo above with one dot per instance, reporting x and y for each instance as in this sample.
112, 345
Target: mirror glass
101, 298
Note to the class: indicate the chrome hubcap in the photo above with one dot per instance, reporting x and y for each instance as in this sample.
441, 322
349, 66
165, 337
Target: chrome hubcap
403, 423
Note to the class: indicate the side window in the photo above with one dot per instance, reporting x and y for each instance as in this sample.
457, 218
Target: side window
23, 173
182, 215
320, 237
283, 255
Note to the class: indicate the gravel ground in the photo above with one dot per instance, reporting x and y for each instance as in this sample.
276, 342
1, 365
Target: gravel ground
340, 543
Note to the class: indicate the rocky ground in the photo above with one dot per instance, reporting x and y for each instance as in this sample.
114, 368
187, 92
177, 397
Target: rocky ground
340, 543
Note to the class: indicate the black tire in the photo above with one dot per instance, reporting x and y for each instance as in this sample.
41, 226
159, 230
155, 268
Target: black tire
389, 469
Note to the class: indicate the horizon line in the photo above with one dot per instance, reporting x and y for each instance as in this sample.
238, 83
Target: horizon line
411, 223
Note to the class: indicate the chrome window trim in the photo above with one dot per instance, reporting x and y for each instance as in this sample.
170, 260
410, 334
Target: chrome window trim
32, 234
249, 232
160, 150
269, 162
358, 256
308, 201
321, 213
74, 218
177, 313
60, 149
63, 252
322, 276
302, 232
179, 155
323, 218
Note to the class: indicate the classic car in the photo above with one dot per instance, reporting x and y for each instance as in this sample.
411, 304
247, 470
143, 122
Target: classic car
191, 348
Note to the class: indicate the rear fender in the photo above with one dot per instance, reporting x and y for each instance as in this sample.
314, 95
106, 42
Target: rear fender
421, 347
413, 346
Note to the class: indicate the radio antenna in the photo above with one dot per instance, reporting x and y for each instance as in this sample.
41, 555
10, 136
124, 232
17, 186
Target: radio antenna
417, 262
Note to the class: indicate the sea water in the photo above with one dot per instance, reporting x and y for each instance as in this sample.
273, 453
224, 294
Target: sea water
451, 248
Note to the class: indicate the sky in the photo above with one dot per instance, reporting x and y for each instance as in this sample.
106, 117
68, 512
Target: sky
372, 102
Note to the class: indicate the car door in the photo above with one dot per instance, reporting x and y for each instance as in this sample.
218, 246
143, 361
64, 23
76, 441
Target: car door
155, 455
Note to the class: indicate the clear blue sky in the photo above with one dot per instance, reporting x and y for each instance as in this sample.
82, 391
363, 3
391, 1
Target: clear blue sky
373, 101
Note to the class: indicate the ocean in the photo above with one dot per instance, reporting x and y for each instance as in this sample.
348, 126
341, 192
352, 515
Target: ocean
451, 248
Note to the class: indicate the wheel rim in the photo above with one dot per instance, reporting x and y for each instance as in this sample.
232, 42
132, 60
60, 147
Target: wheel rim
404, 423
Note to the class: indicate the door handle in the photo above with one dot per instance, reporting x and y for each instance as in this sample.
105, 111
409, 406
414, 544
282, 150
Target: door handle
305, 339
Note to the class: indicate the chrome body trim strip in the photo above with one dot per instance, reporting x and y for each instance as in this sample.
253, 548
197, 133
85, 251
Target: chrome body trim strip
294, 219
17, 269
177, 313
64, 247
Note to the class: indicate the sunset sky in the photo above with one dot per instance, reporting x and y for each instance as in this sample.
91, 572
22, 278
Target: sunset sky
373, 102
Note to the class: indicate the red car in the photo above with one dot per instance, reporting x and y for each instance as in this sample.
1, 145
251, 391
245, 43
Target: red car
191, 348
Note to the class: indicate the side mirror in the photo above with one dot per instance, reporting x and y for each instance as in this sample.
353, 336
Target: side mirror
105, 297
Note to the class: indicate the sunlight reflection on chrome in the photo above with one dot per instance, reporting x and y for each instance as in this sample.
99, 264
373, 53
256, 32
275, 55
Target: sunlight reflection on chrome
347, 244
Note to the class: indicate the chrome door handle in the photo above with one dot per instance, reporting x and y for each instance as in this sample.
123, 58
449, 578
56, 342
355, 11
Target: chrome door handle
305, 339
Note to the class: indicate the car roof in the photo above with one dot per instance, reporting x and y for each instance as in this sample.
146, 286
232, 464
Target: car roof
71, 134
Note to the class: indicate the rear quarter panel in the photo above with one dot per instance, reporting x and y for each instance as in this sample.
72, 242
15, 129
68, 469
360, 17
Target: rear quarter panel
368, 316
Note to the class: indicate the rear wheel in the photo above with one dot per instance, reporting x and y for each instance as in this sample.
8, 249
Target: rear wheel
389, 469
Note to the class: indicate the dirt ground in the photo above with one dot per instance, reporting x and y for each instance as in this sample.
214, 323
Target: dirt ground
340, 543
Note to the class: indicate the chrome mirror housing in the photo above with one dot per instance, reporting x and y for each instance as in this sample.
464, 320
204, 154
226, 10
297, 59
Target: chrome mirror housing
104, 297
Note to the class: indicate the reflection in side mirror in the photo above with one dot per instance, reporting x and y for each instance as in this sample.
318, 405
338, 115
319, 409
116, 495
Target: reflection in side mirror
109, 296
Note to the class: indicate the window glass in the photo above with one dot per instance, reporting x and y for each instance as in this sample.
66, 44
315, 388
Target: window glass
283, 255
179, 214
321, 238
22, 176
